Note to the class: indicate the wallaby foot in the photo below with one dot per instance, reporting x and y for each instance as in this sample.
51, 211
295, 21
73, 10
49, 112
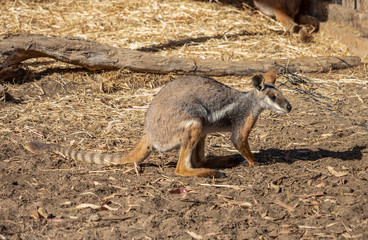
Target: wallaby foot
305, 36
311, 23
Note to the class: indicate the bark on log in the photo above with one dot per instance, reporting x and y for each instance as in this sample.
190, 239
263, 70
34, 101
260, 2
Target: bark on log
96, 56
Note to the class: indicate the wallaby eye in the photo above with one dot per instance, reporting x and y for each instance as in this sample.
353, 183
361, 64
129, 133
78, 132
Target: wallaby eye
273, 98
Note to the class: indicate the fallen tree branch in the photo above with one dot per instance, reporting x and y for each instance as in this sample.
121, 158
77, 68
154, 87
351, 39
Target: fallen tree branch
96, 56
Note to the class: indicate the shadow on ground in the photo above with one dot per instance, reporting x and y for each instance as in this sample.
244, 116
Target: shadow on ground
289, 156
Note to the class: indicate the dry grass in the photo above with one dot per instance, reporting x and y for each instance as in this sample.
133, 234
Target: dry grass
76, 107
197, 29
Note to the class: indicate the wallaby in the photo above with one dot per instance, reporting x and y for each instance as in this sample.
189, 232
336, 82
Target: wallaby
291, 13
181, 116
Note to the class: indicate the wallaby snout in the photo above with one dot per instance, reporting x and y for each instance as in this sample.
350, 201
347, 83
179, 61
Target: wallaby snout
288, 107
283, 105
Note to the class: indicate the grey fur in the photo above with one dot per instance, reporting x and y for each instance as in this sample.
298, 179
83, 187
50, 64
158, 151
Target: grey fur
198, 98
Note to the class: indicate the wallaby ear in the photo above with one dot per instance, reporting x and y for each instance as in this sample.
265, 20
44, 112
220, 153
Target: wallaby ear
270, 77
258, 82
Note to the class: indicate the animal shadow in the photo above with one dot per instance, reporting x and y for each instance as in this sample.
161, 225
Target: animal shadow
272, 155
174, 44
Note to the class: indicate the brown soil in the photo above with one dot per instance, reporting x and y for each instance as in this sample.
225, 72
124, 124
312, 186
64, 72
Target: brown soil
311, 183
291, 195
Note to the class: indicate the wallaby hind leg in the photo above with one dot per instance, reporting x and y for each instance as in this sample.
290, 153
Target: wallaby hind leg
287, 21
140, 152
189, 144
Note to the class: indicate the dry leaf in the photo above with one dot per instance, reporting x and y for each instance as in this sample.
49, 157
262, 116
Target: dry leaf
343, 181
285, 231
320, 185
287, 207
87, 205
224, 186
180, 191
317, 194
66, 203
336, 173
96, 207
43, 213
111, 196
40, 213
245, 205
56, 220
5, 130
348, 236
109, 208
275, 187
35, 214
94, 218
194, 235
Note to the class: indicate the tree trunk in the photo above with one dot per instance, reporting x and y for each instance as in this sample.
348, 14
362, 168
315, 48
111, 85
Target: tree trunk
96, 56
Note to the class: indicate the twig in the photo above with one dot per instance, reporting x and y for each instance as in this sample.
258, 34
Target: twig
225, 186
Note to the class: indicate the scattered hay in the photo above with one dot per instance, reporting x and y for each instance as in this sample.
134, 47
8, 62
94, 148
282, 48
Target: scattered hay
192, 29
70, 105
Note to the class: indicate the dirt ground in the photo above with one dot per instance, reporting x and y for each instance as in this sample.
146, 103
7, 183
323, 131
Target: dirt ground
311, 181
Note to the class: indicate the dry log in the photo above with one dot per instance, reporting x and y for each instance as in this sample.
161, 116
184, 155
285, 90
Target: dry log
96, 56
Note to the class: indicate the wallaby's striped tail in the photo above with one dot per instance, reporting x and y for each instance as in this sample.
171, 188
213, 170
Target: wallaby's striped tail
139, 153
89, 157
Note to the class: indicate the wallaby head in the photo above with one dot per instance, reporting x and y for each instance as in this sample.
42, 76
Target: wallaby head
269, 96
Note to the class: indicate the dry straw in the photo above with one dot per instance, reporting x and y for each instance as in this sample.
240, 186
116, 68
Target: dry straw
197, 29
105, 110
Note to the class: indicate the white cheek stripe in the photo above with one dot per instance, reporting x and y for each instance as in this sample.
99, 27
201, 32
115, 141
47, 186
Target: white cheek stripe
274, 106
217, 115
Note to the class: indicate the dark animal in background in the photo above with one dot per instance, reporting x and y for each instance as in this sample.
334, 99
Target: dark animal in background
292, 14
